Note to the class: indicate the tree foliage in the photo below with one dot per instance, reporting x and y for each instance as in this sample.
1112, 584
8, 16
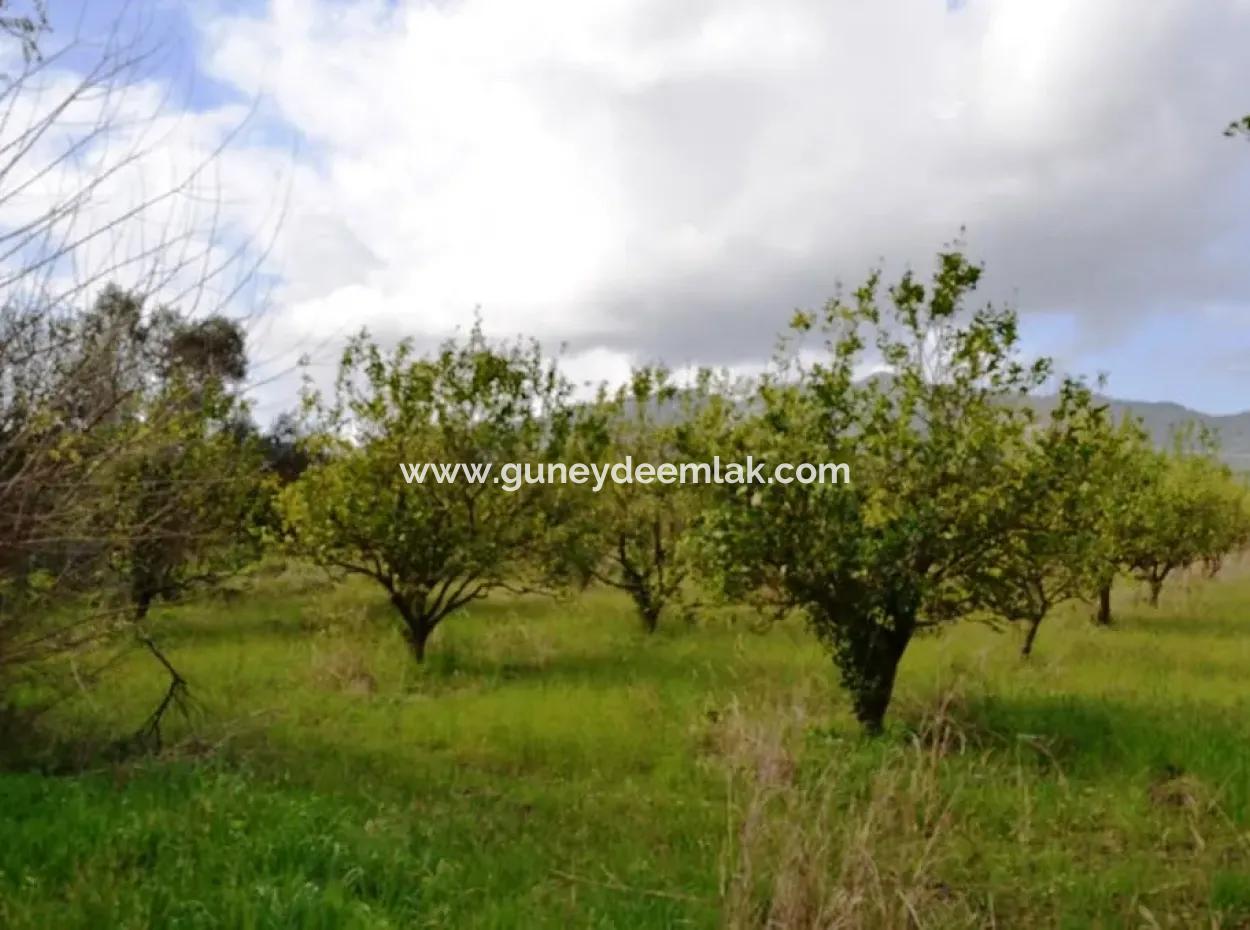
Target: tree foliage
1190, 509
930, 445
134, 471
186, 506
434, 547
631, 535
1055, 485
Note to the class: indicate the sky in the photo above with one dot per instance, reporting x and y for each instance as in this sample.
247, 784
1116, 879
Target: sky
642, 180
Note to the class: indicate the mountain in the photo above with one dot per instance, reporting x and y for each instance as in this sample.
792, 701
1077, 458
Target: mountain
1162, 418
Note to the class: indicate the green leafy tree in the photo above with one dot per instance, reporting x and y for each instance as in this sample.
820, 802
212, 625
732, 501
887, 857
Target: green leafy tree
876, 562
188, 505
1228, 529
1051, 553
631, 534
123, 436
1159, 511
1123, 470
153, 398
181, 506
434, 546
1181, 514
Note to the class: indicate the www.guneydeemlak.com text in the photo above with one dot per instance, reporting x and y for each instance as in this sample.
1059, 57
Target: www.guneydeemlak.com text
512, 476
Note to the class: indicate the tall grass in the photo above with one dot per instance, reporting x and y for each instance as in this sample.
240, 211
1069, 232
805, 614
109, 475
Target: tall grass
553, 767
908, 833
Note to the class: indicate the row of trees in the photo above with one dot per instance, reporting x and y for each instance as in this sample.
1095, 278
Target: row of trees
130, 471
967, 501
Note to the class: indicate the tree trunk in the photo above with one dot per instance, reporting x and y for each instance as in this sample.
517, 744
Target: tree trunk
872, 700
1034, 625
144, 588
874, 682
651, 619
417, 636
417, 627
1156, 587
1104, 605
648, 609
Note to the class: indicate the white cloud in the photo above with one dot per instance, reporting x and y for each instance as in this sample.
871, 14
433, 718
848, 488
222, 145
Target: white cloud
650, 175
643, 178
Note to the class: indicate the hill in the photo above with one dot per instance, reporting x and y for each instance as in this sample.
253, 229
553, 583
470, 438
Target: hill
1161, 419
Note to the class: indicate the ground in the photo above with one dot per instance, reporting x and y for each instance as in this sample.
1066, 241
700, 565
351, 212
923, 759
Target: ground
552, 766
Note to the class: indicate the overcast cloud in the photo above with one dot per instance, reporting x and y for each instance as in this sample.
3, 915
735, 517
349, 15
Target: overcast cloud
649, 178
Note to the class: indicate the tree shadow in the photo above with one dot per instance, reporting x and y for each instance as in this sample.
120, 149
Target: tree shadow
221, 627
628, 661
1173, 625
1083, 737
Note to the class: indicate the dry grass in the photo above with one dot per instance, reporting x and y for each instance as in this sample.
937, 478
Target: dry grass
808, 852
878, 838
339, 665
517, 643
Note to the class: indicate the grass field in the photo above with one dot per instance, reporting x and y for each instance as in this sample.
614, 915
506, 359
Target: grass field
553, 767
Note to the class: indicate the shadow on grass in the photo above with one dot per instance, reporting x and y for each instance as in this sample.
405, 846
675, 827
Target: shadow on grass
209, 622
1094, 738
223, 628
1172, 625
627, 662
27, 746
215, 621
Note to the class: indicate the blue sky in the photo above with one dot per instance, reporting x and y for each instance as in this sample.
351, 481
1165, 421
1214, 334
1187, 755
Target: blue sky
644, 179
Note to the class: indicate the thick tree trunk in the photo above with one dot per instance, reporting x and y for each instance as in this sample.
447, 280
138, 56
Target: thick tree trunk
1104, 605
417, 627
417, 638
872, 701
874, 682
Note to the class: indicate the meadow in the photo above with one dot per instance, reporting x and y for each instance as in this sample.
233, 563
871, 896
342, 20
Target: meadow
553, 766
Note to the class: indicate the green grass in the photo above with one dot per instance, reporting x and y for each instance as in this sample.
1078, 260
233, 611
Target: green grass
554, 767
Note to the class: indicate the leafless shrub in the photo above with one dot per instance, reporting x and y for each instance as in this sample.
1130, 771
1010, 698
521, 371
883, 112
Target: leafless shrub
99, 185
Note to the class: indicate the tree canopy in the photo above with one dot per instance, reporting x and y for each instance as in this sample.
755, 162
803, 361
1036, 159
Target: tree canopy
433, 546
930, 447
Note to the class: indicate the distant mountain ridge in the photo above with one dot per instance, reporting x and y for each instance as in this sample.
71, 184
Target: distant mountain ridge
1162, 418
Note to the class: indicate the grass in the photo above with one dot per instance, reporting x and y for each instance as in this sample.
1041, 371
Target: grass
554, 767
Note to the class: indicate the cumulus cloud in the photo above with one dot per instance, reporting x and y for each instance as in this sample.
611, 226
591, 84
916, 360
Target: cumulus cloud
643, 179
